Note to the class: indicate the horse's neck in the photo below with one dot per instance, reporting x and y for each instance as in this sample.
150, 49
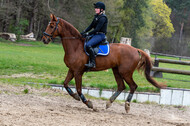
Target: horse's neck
72, 46
71, 39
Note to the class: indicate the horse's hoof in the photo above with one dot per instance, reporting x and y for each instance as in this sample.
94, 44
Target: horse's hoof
108, 104
127, 107
95, 109
76, 96
89, 104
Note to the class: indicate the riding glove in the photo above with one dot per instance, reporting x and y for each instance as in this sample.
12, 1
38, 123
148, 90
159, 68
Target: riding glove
84, 34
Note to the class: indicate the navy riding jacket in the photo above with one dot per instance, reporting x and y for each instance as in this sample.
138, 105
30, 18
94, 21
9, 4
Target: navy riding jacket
99, 24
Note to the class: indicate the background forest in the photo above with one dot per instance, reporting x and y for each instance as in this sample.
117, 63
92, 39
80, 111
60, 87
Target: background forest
158, 25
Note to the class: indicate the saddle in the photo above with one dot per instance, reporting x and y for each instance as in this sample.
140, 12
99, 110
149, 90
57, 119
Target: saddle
102, 49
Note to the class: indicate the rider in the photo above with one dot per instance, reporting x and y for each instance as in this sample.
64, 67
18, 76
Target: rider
99, 25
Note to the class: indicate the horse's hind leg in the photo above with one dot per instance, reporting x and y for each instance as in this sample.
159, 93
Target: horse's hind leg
133, 86
69, 77
120, 84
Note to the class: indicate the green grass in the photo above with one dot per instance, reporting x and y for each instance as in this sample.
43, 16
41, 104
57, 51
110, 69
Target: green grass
174, 82
45, 63
26, 91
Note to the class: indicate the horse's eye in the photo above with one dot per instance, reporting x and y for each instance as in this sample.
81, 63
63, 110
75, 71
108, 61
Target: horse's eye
51, 25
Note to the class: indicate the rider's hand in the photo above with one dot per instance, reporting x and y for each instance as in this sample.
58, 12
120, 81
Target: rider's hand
84, 34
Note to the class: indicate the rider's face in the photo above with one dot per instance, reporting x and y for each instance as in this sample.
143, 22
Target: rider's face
97, 10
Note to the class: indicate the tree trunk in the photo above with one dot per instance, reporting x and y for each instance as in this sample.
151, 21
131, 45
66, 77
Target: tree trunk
35, 11
19, 9
114, 35
38, 29
180, 48
31, 24
1, 3
6, 21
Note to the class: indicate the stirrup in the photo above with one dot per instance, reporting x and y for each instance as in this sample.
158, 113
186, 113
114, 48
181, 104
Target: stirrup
90, 65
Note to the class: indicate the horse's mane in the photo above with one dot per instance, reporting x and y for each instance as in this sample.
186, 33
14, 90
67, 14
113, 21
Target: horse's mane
72, 29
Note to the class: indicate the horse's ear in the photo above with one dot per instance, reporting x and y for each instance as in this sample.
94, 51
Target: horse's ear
53, 17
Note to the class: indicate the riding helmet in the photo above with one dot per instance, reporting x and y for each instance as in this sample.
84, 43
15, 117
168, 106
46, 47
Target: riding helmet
100, 5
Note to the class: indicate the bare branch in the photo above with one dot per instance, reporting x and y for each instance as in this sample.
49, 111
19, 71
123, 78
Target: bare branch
49, 6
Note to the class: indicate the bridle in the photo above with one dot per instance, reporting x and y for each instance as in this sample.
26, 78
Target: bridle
56, 28
51, 35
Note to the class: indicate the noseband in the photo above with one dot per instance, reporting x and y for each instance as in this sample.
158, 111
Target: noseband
51, 35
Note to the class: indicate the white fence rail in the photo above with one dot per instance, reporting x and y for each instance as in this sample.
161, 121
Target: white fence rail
169, 96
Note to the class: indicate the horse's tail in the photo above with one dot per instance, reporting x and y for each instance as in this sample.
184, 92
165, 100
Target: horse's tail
145, 65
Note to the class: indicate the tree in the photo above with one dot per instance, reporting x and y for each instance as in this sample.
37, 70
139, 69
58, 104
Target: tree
133, 18
6, 14
129, 18
162, 28
115, 26
180, 12
23, 16
146, 19
161, 17
38, 16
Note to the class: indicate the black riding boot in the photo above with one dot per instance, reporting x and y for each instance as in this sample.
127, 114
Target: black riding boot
92, 62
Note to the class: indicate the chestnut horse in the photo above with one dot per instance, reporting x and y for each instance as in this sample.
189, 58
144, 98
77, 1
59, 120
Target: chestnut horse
123, 59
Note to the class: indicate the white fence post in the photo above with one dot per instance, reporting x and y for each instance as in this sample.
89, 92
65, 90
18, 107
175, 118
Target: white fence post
125, 40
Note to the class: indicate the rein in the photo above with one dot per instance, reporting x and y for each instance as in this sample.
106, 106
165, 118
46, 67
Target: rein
71, 38
56, 28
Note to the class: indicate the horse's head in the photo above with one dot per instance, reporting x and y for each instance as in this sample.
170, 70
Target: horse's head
51, 30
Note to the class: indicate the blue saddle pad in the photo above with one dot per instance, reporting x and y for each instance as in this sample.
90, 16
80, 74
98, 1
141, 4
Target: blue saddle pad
101, 50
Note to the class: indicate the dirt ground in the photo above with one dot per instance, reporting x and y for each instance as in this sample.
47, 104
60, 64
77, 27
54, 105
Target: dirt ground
50, 107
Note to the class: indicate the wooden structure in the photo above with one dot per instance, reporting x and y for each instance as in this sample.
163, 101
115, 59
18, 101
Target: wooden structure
8, 36
157, 71
169, 55
168, 70
125, 40
29, 36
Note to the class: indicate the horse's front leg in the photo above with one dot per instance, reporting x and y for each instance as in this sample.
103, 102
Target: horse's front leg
78, 80
68, 78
